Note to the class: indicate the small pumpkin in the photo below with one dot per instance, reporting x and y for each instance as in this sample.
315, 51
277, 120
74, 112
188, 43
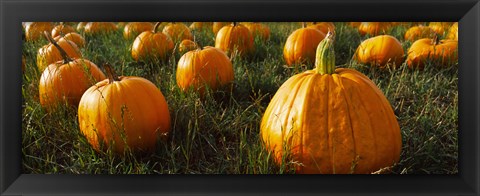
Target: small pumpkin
301, 45
443, 52
440, 27
258, 30
133, 29
199, 68
62, 29
324, 27
331, 121
219, 25
380, 51
94, 28
186, 45
66, 80
373, 28
49, 54
177, 31
200, 26
418, 32
34, 30
453, 32
235, 39
74, 37
121, 112
152, 44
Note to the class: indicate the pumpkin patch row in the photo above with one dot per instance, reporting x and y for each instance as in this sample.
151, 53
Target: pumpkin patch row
327, 118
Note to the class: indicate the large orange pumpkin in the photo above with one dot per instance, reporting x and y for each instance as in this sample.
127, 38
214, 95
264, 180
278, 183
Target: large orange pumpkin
74, 37
121, 112
49, 54
380, 51
373, 28
152, 44
442, 52
453, 32
93, 28
301, 45
66, 80
235, 39
62, 29
418, 32
177, 31
331, 121
133, 29
34, 30
258, 30
200, 68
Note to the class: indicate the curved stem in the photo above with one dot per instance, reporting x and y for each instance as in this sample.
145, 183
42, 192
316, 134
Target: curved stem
156, 26
64, 54
325, 57
112, 76
435, 39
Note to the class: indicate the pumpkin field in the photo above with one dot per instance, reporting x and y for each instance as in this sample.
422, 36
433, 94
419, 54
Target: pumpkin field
240, 98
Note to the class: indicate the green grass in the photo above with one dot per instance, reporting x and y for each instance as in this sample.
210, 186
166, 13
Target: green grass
220, 133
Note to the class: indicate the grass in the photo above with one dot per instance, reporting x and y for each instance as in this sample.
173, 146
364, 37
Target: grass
220, 133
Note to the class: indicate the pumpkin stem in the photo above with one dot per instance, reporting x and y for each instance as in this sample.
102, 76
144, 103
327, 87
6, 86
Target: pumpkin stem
234, 23
435, 39
156, 26
325, 56
304, 24
64, 54
112, 76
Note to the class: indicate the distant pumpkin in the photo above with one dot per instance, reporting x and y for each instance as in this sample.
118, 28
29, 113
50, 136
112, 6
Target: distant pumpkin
444, 53
133, 29
380, 51
324, 27
301, 45
74, 37
418, 32
258, 30
235, 39
49, 54
373, 28
152, 44
93, 28
62, 29
177, 31
34, 30
453, 32
186, 45
440, 27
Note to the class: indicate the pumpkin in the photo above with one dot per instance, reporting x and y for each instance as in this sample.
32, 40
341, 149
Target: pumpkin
442, 52
123, 112
453, 32
66, 80
324, 27
331, 121
373, 28
177, 31
93, 28
81, 26
440, 27
133, 29
380, 51
301, 45
74, 37
219, 25
418, 32
200, 26
49, 54
34, 31
62, 29
258, 30
186, 45
152, 44
235, 39
200, 68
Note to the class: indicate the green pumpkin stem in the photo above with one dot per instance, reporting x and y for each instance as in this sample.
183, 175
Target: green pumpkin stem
64, 54
325, 56
112, 76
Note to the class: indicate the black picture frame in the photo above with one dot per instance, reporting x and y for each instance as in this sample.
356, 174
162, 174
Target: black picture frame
466, 182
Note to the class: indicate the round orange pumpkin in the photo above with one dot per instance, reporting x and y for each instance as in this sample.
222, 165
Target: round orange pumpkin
177, 31
152, 44
418, 32
442, 52
324, 27
66, 80
74, 37
331, 121
373, 28
133, 29
62, 29
49, 54
258, 30
186, 45
121, 112
301, 45
380, 51
440, 27
34, 31
200, 68
93, 28
235, 39
453, 32
199, 26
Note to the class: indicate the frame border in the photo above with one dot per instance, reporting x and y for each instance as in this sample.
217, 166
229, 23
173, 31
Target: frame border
12, 13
